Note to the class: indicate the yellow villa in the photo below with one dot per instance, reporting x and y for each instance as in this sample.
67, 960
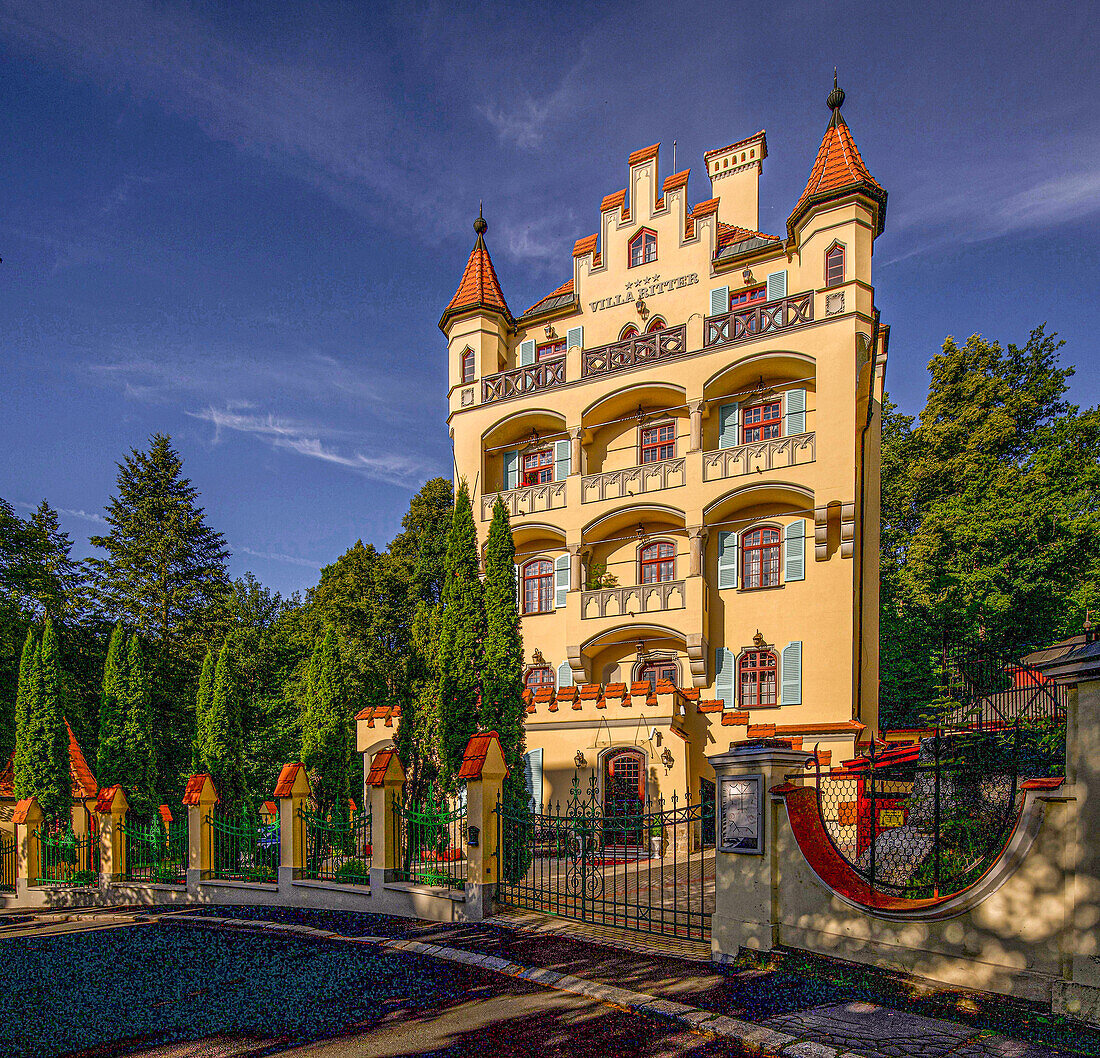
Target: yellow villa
686, 436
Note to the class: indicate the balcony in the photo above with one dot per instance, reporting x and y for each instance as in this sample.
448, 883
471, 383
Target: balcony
646, 348
634, 600
529, 500
760, 456
632, 481
522, 380
745, 324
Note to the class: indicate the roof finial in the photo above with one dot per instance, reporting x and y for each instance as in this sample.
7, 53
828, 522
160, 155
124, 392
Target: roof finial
479, 225
836, 96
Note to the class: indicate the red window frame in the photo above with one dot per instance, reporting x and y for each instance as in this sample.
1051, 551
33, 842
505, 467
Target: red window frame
468, 366
628, 332
538, 586
762, 422
538, 467
834, 265
655, 671
758, 678
657, 442
656, 324
760, 558
549, 350
657, 562
647, 240
539, 676
747, 296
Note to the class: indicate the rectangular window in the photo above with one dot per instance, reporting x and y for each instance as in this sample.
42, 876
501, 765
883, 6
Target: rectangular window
658, 442
538, 467
761, 422
747, 296
834, 266
549, 350
468, 366
643, 248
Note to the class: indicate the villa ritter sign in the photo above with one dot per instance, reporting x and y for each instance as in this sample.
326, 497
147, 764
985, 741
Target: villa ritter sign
643, 288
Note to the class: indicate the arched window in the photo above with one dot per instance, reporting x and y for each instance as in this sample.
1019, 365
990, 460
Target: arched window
539, 676
834, 265
658, 562
629, 331
538, 586
468, 366
760, 558
643, 248
656, 324
756, 674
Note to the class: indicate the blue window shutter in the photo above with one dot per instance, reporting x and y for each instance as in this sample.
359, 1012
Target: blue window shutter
719, 301
727, 560
561, 580
527, 352
565, 674
532, 778
794, 415
777, 286
511, 469
729, 425
794, 551
723, 676
574, 336
561, 460
790, 675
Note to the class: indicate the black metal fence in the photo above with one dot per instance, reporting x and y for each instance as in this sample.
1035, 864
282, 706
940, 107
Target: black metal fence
156, 852
431, 843
337, 850
7, 862
644, 865
245, 847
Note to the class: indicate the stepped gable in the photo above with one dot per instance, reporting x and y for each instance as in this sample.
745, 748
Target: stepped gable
479, 289
838, 170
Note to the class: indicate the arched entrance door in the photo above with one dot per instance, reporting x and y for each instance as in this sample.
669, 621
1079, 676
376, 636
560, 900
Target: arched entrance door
624, 797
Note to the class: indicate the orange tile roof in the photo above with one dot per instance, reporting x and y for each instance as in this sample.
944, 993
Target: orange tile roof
614, 201
479, 287
731, 233
702, 209
271, 808
711, 705
19, 816
590, 691
690, 693
285, 784
837, 170
644, 154
565, 288
676, 180
616, 690
473, 760
760, 730
165, 814
84, 785
194, 788
105, 800
378, 766
585, 246
666, 687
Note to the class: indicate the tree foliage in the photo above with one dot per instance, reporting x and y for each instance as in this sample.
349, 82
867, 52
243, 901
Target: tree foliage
111, 756
326, 729
139, 753
42, 766
222, 751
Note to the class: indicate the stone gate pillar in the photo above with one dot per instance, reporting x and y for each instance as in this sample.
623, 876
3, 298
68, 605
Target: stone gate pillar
291, 791
199, 798
385, 781
483, 770
27, 819
747, 833
111, 808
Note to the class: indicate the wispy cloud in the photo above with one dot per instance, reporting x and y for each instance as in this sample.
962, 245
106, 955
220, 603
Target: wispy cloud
526, 121
87, 516
273, 556
305, 439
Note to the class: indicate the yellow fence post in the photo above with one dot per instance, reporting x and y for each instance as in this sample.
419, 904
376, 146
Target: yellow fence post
111, 808
291, 791
199, 798
483, 770
28, 824
385, 781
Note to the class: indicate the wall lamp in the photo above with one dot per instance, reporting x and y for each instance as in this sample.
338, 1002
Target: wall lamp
579, 760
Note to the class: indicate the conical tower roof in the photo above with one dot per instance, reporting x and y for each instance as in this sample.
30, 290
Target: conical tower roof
838, 169
479, 287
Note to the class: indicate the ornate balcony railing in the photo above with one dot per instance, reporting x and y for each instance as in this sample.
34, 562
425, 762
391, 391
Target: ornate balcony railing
658, 345
760, 455
743, 324
529, 500
631, 481
636, 599
521, 380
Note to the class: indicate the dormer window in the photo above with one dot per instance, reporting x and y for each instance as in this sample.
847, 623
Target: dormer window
468, 366
643, 248
834, 265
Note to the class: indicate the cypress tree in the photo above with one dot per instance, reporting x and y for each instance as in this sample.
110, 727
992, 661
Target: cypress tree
141, 767
25, 704
202, 707
326, 728
47, 744
111, 756
222, 754
461, 641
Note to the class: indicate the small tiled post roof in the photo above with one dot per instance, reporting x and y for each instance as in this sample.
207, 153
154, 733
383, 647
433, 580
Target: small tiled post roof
838, 170
479, 288
200, 790
292, 781
483, 755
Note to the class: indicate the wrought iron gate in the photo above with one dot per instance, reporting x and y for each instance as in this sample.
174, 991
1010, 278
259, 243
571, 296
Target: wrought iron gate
647, 866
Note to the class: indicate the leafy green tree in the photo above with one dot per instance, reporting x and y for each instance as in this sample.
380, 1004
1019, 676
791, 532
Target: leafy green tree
140, 755
423, 539
326, 729
222, 755
202, 708
460, 651
25, 703
44, 771
111, 756
55, 580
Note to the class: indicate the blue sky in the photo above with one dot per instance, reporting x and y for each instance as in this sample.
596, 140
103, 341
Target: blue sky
239, 223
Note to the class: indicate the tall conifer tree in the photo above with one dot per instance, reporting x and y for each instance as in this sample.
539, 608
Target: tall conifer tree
223, 748
111, 757
46, 760
461, 640
326, 728
202, 707
26, 698
141, 767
